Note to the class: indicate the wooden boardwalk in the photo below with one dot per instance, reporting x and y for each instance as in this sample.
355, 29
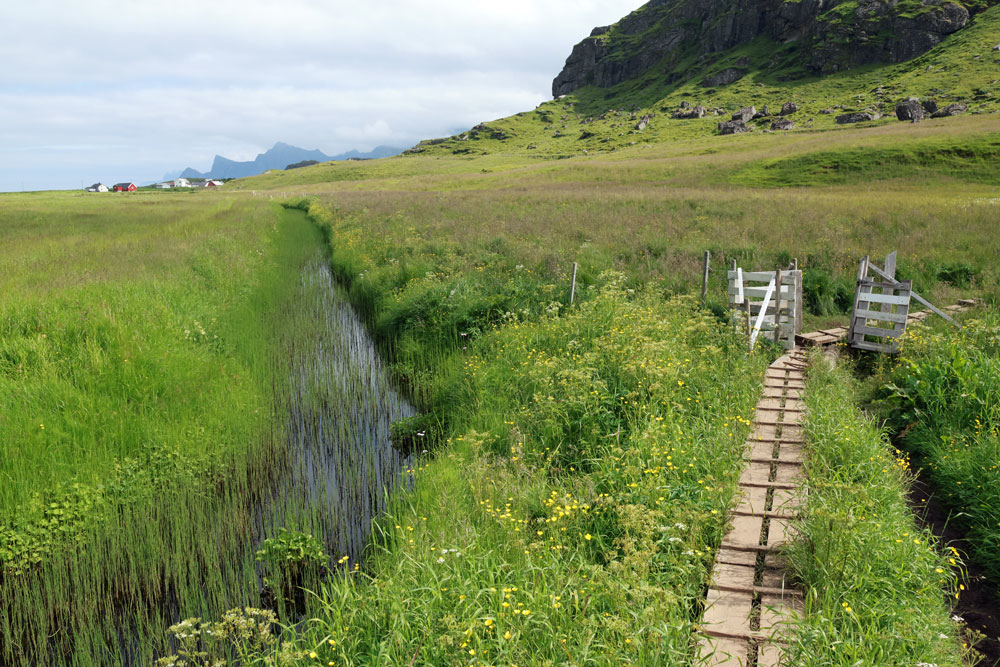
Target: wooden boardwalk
749, 599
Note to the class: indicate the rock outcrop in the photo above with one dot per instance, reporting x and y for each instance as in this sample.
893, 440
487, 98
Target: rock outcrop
831, 35
858, 117
733, 127
951, 110
911, 110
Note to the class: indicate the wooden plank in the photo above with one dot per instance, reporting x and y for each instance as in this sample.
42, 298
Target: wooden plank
759, 276
862, 274
798, 298
777, 305
865, 330
739, 286
873, 347
889, 299
787, 291
863, 315
760, 319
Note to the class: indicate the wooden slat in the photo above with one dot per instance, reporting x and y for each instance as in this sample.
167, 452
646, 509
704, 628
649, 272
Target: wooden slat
758, 276
787, 291
892, 299
862, 315
874, 347
865, 330
760, 319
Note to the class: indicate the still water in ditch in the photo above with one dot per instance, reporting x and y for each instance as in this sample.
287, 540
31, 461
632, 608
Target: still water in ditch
324, 466
338, 408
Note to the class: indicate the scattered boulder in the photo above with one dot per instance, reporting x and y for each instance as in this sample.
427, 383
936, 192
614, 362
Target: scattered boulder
788, 108
910, 110
695, 112
685, 105
827, 112
725, 77
733, 127
586, 135
783, 124
997, 47
951, 110
745, 114
643, 123
930, 106
858, 117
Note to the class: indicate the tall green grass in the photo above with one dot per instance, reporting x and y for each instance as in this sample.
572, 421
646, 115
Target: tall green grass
943, 399
574, 510
206, 389
876, 585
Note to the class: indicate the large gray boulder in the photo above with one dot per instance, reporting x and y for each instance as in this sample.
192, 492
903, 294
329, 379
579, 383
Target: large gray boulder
745, 114
930, 106
910, 110
858, 117
951, 110
788, 108
783, 124
733, 127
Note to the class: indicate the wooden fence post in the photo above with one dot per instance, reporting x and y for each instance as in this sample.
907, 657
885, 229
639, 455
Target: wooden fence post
704, 279
572, 288
777, 306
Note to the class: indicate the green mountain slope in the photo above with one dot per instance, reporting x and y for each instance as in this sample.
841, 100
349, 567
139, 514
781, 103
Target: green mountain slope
963, 68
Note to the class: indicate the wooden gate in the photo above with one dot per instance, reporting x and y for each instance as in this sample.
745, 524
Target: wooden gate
769, 302
882, 307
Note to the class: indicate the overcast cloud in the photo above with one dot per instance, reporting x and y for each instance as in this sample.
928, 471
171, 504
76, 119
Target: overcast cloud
127, 90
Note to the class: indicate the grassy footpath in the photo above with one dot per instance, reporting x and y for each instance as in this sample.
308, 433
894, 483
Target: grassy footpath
943, 397
584, 466
875, 583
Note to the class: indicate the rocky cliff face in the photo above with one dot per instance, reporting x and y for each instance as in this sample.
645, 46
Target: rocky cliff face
831, 34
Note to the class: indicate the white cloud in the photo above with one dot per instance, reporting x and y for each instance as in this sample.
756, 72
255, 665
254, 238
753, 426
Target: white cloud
112, 86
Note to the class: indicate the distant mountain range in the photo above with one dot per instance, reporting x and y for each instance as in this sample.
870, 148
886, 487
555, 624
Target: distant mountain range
279, 157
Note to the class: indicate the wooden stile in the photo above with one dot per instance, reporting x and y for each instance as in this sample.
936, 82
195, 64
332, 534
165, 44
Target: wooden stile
771, 302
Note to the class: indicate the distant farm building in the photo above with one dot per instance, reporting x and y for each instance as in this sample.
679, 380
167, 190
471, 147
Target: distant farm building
182, 183
124, 187
98, 187
213, 184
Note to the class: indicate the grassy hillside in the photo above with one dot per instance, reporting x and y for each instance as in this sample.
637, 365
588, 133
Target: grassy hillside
963, 68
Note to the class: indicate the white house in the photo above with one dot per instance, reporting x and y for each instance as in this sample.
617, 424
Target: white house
98, 187
182, 183
166, 185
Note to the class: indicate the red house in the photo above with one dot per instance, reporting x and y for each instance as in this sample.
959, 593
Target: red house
124, 187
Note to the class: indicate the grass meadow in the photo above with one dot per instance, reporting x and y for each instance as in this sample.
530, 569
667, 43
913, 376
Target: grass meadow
177, 404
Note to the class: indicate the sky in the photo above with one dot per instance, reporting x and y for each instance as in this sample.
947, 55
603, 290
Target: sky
134, 90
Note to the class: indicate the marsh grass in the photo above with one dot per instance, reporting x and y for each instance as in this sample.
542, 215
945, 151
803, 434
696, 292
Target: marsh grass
941, 396
166, 419
877, 586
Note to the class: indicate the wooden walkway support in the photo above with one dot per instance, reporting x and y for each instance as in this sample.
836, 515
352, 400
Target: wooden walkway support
749, 600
